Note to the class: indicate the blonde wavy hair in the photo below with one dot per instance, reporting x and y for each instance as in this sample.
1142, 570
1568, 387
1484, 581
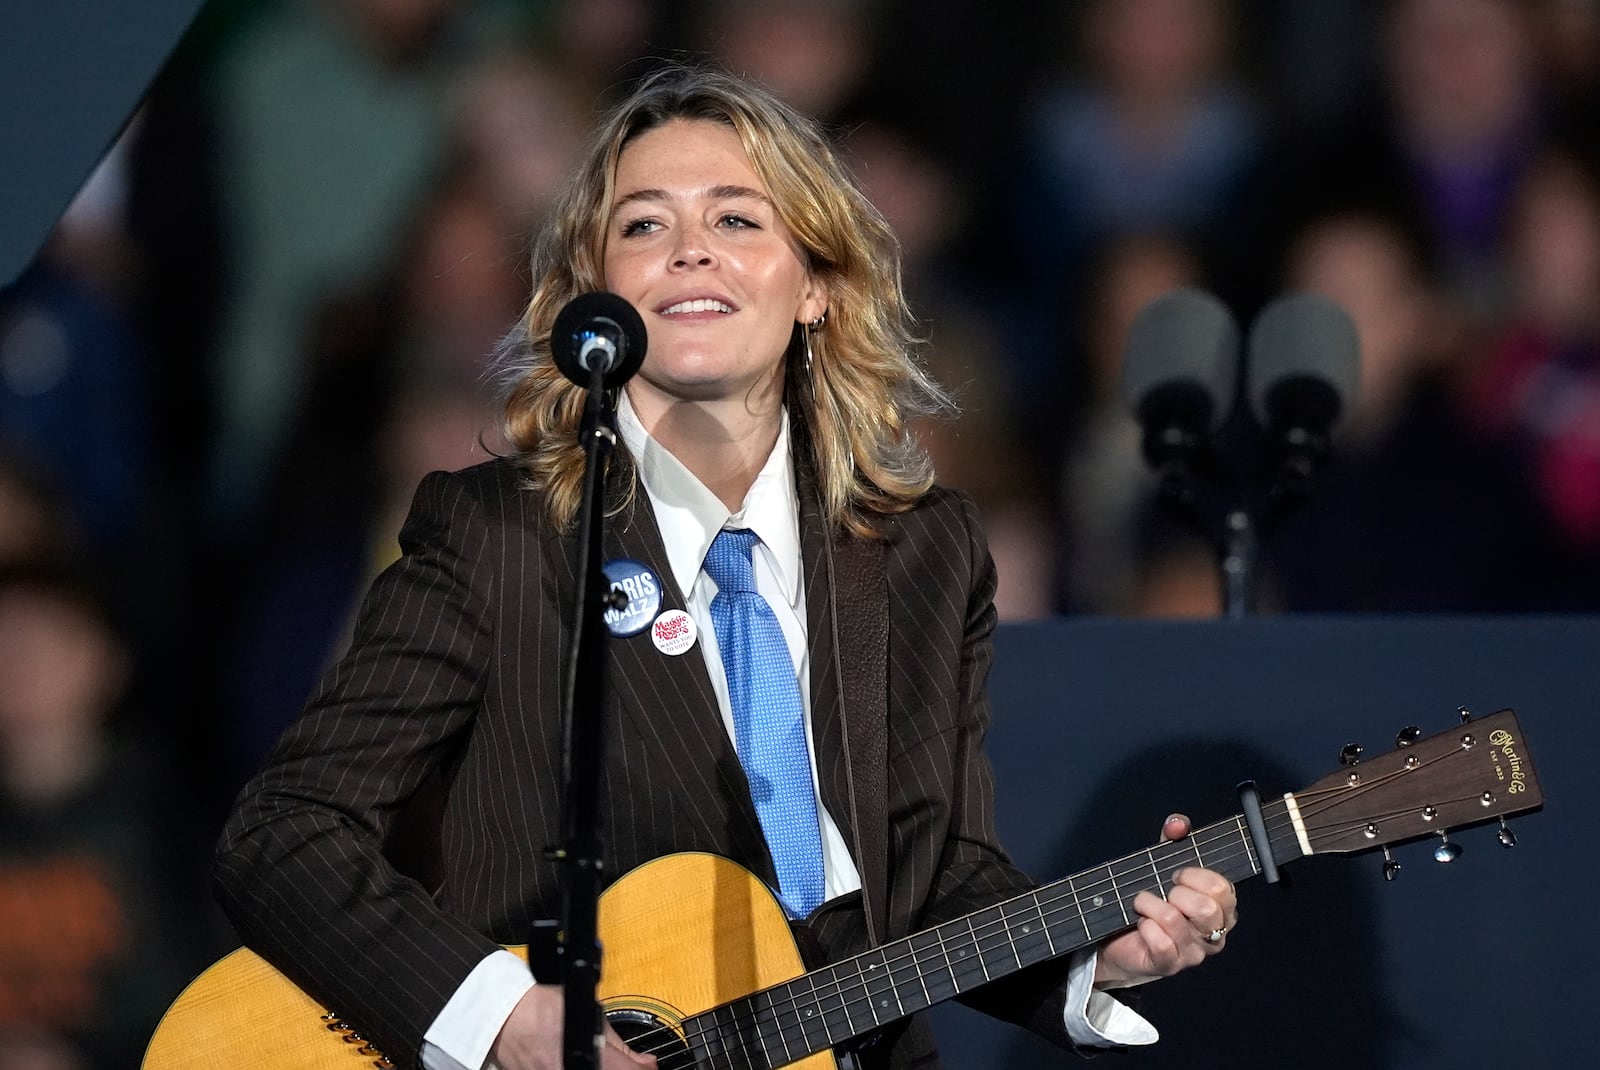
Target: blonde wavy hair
852, 409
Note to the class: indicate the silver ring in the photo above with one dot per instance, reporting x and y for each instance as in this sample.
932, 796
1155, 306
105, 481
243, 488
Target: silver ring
1215, 936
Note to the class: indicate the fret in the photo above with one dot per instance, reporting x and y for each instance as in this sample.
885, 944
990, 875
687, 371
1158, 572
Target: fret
1037, 899
1133, 875
961, 953
977, 945
838, 1023
730, 1036
878, 988
1097, 900
851, 1000
769, 1027
811, 1012
1077, 909
938, 973
994, 950
1249, 845
1173, 857
919, 959
1030, 942
1160, 885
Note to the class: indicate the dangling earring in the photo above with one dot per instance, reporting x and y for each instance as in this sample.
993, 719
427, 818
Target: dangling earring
813, 326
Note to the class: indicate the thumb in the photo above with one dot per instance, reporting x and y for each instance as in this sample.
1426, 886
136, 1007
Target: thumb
1176, 827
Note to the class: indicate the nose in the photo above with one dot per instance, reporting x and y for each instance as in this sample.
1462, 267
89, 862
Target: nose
693, 248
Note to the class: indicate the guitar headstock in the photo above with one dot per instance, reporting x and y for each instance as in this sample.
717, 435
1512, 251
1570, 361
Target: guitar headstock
1476, 772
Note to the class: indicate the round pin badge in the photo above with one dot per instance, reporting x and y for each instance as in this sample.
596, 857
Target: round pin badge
641, 587
673, 632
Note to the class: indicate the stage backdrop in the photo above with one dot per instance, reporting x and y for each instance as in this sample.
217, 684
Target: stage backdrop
1102, 728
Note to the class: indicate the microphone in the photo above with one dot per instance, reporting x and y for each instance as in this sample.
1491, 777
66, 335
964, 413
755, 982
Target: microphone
1304, 364
598, 332
1179, 372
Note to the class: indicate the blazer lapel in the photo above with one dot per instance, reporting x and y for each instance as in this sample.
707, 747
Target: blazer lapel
847, 622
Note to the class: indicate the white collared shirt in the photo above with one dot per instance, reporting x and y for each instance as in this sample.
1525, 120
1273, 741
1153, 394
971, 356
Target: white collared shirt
689, 516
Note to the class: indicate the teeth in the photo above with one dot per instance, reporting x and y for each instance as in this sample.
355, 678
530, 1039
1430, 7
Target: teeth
699, 304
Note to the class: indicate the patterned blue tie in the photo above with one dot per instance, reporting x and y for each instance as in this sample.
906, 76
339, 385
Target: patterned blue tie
768, 720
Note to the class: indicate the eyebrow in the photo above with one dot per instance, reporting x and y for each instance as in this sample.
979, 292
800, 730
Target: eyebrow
716, 193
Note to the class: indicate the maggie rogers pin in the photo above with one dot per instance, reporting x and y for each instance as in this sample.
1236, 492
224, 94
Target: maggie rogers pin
641, 587
673, 632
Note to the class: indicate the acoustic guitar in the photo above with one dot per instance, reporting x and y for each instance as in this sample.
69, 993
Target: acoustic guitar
701, 967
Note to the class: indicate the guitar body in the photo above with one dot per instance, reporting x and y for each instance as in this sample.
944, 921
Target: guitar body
682, 934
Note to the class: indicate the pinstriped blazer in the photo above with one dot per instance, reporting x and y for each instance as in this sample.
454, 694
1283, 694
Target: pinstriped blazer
455, 668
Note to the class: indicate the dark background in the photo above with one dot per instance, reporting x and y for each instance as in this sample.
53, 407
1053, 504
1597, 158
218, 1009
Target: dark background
1105, 727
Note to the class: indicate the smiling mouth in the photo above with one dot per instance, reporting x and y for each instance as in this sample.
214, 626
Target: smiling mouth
699, 304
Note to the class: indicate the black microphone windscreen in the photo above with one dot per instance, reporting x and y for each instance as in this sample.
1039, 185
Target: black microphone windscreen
1183, 351
1305, 360
598, 315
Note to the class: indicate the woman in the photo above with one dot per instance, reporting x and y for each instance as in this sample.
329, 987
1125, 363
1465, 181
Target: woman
774, 400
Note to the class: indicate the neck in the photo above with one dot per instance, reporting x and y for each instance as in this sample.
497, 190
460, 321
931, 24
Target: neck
724, 443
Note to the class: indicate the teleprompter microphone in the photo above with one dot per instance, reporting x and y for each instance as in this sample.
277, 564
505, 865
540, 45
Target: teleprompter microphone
1179, 372
1304, 361
598, 331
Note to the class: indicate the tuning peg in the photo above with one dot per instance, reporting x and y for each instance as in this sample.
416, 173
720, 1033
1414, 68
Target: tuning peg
1466, 714
1446, 851
1506, 837
1350, 754
1391, 868
1408, 735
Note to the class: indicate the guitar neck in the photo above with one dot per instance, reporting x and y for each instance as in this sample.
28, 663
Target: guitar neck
826, 1007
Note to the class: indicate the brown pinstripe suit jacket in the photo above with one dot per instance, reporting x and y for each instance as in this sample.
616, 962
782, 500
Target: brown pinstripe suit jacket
456, 667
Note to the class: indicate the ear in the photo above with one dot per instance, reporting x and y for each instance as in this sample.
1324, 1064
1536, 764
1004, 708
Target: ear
815, 302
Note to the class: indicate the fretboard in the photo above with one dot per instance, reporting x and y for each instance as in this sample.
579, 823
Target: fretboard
784, 1023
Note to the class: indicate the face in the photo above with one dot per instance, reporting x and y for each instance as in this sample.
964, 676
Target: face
696, 244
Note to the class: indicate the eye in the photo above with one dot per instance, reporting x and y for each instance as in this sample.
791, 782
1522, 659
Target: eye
639, 226
734, 221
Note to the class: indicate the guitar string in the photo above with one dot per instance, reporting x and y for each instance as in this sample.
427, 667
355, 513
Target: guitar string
1339, 795
1328, 798
739, 1021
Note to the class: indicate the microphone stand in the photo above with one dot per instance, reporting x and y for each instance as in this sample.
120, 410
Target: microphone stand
583, 747
1232, 507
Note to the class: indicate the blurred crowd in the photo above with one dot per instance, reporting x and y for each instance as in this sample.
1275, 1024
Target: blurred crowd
275, 305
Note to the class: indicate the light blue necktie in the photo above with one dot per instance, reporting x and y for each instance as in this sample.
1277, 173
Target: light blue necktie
769, 723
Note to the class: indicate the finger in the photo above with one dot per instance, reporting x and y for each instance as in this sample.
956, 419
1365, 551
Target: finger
1202, 912
1169, 915
1161, 950
629, 1057
1213, 885
1171, 942
1175, 827
618, 1056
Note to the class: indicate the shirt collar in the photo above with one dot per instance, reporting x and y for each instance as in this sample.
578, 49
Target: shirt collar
690, 515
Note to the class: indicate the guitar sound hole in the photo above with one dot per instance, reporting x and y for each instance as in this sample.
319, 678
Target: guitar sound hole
644, 1032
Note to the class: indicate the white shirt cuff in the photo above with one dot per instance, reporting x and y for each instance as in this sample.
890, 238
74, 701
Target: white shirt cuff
460, 1038
1096, 1020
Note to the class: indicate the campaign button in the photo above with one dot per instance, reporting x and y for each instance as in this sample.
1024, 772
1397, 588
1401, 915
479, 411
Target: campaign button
642, 589
673, 632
